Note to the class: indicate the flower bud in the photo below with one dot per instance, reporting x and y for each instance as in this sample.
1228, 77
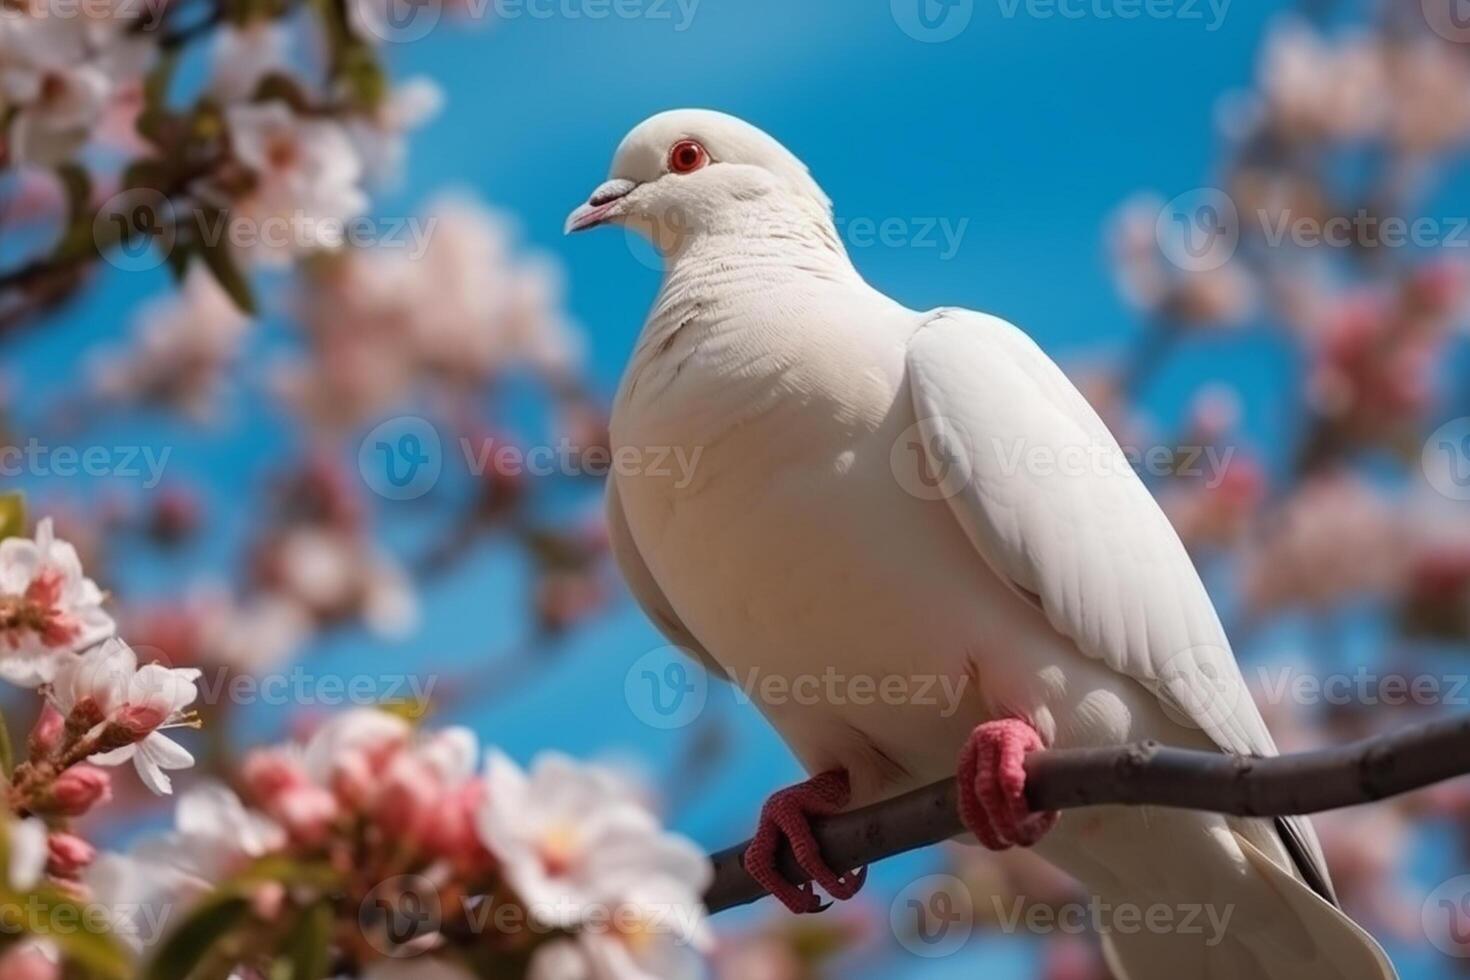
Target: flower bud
46, 735
80, 788
307, 812
27, 961
267, 774
68, 854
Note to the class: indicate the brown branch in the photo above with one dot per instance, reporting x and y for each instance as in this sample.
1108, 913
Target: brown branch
1143, 774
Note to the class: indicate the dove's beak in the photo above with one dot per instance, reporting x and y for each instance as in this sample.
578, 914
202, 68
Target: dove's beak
601, 206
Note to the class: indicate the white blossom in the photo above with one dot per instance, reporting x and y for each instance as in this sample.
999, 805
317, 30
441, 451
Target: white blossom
307, 183
214, 835
27, 848
381, 136
183, 348
57, 75
574, 842
107, 681
148, 889
48, 606
244, 56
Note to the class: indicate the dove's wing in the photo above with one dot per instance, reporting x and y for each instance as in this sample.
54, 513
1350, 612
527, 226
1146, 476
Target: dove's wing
646, 589
1055, 510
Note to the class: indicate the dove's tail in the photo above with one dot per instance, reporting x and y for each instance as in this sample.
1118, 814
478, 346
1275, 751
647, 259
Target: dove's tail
1267, 925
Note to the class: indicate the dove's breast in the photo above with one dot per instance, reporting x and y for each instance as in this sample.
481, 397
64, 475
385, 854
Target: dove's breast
803, 548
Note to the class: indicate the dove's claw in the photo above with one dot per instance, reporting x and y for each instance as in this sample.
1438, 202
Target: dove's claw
787, 816
992, 785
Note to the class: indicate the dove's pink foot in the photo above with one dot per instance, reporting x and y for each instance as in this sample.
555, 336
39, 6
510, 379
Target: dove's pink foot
787, 816
992, 786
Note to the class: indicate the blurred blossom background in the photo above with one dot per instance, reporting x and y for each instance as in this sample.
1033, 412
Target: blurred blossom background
296, 461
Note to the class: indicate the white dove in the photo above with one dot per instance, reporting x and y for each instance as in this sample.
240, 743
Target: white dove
891, 503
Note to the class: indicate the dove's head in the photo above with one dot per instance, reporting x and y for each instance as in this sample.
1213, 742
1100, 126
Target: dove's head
688, 172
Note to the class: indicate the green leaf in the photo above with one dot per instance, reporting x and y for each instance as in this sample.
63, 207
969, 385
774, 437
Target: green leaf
364, 78
98, 953
77, 240
73, 928
221, 262
188, 945
77, 183
12, 515
178, 259
287, 871
306, 954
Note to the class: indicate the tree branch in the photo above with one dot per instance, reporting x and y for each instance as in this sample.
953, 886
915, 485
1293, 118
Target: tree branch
1143, 774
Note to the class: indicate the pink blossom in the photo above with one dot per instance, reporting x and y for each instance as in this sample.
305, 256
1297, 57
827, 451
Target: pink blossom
1335, 538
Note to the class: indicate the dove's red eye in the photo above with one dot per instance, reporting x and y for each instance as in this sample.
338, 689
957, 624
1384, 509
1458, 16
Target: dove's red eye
687, 156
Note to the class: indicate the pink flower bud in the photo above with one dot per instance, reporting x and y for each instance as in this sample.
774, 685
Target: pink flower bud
452, 833
410, 800
353, 778
28, 962
268, 773
68, 854
80, 788
46, 735
306, 811
268, 899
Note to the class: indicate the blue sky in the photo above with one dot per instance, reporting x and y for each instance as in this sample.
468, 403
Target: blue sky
1024, 131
